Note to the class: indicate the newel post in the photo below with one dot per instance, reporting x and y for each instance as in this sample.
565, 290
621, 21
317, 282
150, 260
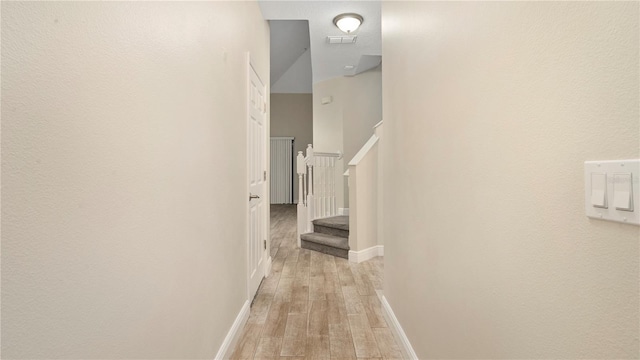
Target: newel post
310, 163
301, 169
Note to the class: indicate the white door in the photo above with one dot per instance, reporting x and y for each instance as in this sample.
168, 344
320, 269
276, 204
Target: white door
256, 147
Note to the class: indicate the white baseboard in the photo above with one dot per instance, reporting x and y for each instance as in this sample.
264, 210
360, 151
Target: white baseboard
366, 254
267, 270
230, 341
396, 329
343, 211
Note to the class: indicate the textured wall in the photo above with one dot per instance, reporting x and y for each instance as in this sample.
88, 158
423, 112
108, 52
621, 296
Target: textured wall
124, 176
490, 110
292, 115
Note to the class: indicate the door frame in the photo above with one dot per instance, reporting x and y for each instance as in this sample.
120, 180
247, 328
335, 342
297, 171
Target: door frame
266, 222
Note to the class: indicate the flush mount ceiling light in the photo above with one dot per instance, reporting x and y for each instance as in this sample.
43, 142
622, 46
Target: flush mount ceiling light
348, 22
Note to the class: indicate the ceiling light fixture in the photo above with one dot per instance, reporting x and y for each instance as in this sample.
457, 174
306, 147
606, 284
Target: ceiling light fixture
348, 22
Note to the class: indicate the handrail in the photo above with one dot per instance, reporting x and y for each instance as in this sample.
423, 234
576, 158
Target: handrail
364, 150
338, 154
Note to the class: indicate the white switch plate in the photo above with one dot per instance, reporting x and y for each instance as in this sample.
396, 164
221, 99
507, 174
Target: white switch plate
611, 168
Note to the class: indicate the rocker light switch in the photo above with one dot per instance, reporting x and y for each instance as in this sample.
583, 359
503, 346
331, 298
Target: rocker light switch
623, 192
599, 190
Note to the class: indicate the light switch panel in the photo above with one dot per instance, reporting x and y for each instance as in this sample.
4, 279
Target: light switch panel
623, 192
612, 190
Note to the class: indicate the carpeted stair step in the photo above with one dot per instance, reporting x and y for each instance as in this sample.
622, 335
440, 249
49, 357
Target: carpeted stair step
325, 243
336, 225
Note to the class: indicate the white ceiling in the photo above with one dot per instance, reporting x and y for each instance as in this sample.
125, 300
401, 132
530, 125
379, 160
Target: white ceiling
327, 60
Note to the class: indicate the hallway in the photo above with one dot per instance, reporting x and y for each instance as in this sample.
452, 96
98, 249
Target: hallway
315, 306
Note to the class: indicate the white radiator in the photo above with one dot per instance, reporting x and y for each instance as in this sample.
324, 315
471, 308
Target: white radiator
282, 170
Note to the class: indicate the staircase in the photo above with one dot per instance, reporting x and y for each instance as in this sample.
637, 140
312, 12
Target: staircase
330, 236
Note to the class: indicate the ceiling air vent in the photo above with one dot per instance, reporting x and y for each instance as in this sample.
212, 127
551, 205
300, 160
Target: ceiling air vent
349, 39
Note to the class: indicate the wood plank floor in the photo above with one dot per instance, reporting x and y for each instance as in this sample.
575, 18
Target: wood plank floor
315, 306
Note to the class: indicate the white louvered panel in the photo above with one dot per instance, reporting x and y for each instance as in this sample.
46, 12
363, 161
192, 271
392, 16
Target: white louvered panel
281, 170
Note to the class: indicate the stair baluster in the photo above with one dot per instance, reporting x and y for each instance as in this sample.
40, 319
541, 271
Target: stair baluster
316, 192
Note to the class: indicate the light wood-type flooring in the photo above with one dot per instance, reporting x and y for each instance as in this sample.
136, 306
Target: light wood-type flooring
315, 306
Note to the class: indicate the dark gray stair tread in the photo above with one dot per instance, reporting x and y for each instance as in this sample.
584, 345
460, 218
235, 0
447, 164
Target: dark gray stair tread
330, 231
343, 253
327, 240
336, 222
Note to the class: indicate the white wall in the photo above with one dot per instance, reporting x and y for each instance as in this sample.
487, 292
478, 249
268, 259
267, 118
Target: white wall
490, 110
347, 123
363, 198
292, 115
362, 109
327, 128
379, 131
124, 179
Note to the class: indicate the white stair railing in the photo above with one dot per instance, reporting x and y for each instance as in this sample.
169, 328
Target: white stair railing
317, 187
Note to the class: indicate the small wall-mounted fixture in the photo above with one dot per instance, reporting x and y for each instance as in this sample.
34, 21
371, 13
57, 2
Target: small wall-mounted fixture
348, 22
326, 100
